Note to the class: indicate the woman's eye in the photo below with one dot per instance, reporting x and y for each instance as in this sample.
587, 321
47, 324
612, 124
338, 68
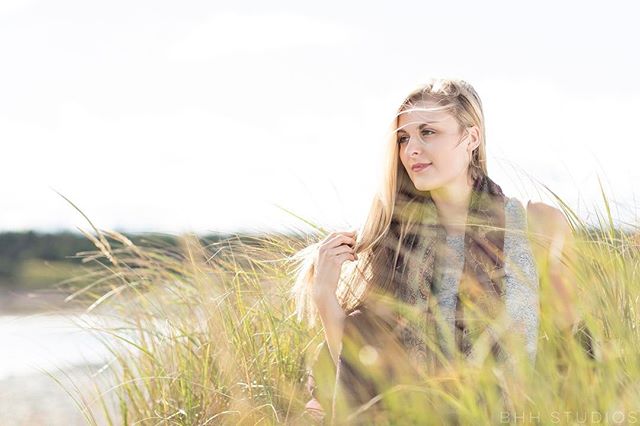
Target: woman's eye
425, 132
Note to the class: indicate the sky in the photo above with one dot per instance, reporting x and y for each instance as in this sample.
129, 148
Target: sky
156, 116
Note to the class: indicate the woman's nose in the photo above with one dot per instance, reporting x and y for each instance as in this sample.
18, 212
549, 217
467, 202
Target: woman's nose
414, 145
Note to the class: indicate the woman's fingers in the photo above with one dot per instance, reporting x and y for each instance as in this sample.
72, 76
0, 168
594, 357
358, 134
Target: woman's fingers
340, 246
340, 238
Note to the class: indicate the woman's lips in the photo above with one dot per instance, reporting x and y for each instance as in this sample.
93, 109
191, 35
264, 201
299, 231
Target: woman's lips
419, 168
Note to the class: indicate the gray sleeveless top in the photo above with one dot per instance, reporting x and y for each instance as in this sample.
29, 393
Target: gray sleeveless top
520, 281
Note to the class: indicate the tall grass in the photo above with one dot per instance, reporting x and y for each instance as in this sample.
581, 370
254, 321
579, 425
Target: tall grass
208, 336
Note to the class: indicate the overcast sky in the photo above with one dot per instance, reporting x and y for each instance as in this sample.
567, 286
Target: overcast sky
207, 116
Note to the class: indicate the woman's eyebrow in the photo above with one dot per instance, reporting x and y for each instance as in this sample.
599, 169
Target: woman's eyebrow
420, 127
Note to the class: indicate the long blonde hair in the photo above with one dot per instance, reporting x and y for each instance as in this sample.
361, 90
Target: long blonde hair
372, 275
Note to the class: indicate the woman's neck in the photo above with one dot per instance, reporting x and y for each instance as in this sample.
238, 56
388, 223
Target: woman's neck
452, 204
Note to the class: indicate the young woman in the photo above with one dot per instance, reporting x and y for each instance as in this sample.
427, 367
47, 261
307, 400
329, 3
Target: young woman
442, 239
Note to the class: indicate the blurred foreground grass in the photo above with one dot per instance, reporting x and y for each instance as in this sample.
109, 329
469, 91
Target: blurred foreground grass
210, 338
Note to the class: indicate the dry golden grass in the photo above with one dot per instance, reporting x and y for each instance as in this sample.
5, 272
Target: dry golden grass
211, 339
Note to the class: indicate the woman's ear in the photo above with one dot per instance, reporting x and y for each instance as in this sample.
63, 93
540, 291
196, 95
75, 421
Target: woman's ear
473, 138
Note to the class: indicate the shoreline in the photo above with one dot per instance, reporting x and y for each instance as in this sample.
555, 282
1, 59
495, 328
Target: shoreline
24, 302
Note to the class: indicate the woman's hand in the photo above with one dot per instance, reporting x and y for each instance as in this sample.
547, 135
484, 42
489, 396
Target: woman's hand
333, 251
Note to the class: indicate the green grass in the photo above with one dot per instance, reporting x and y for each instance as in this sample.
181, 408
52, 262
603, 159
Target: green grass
44, 274
209, 336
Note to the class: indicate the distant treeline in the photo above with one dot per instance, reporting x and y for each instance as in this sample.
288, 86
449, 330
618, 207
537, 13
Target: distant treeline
37, 260
30, 260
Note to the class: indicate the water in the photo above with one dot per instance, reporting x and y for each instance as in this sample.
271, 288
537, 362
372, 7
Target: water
30, 344
49, 341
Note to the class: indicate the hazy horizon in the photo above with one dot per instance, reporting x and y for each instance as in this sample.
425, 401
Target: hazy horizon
153, 117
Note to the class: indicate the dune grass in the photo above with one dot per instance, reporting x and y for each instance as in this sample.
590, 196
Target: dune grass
208, 336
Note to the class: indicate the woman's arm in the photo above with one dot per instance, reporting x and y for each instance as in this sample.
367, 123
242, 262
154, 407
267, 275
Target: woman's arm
332, 317
554, 247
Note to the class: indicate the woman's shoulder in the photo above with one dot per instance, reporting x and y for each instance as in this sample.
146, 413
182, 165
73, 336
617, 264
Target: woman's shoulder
514, 207
547, 228
546, 220
544, 223
541, 217
549, 231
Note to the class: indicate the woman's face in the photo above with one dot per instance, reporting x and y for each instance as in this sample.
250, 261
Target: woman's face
433, 137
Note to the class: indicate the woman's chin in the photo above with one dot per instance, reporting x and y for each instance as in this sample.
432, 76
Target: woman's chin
424, 186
